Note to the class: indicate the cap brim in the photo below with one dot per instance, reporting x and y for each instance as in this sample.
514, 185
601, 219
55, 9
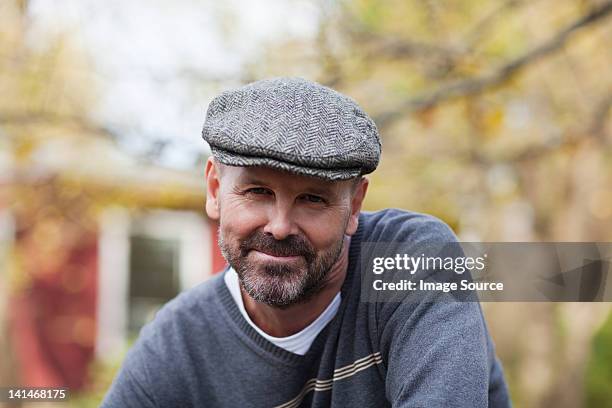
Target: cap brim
233, 159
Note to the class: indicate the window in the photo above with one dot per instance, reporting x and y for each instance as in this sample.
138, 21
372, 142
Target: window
154, 278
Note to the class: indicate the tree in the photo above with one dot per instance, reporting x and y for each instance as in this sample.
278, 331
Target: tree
494, 117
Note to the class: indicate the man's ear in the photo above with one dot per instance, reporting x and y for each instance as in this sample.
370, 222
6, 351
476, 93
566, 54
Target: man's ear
356, 202
212, 189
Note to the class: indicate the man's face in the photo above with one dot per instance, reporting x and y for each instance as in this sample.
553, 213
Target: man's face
281, 232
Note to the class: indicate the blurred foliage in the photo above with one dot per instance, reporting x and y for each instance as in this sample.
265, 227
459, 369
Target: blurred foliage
44, 83
495, 117
101, 378
494, 114
599, 370
101, 375
59, 169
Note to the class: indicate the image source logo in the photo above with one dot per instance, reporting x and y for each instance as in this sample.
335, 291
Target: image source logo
496, 271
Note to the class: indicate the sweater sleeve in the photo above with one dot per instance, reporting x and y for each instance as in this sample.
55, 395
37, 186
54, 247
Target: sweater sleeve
436, 350
436, 355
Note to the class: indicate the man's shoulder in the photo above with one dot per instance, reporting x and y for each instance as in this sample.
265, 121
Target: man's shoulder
397, 225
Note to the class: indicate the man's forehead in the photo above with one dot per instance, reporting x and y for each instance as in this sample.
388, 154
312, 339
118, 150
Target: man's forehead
270, 176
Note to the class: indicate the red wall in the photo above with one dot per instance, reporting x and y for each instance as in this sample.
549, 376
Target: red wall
52, 317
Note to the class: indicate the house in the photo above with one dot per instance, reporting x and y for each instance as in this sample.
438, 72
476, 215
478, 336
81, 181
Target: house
93, 242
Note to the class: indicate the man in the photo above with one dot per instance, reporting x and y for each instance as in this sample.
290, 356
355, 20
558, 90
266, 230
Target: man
284, 325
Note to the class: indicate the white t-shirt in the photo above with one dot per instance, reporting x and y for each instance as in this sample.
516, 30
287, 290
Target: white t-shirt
297, 343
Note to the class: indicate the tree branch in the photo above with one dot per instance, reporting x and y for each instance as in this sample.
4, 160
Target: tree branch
473, 86
483, 25
593, 130
393, 47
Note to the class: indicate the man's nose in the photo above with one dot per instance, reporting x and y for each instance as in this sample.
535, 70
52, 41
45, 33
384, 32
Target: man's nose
280, 223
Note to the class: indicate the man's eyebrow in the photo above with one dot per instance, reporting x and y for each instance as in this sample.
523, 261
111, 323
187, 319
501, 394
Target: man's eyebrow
251, 180
320, 190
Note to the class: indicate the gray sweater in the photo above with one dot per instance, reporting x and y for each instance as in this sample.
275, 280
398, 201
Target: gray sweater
199, 351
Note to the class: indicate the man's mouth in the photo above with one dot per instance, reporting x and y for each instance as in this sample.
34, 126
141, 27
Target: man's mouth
275, 257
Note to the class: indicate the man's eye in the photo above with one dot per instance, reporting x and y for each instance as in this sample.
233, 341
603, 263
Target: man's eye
313, 198
258, 191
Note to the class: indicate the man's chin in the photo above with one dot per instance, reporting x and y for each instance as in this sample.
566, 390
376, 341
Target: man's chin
274, 274
277, 294
274, 285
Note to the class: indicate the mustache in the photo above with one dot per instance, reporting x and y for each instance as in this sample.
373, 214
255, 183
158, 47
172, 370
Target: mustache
293, 245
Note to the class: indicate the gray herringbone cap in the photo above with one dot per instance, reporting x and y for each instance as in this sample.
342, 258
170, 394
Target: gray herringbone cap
294, 125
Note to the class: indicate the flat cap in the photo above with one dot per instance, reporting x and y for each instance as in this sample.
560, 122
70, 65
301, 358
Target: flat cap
294, 125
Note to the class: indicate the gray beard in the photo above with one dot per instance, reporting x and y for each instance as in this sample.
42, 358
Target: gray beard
279, 285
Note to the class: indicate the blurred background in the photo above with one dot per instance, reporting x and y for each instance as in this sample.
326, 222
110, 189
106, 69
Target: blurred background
494, 114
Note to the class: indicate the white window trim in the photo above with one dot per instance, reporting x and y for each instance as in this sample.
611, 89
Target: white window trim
192, 232
113, 281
